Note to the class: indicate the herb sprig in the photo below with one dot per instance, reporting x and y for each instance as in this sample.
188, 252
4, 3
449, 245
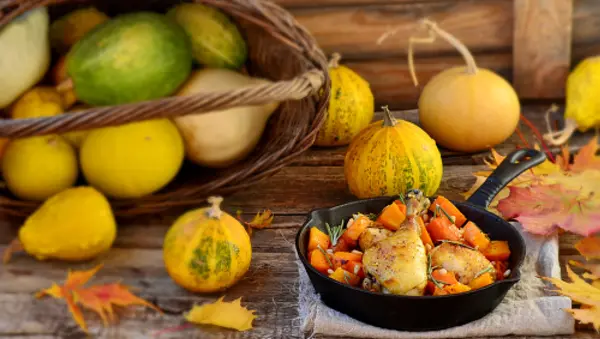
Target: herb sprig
335, 232
459, 244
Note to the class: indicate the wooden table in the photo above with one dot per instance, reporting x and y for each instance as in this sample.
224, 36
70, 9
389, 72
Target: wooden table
270, 287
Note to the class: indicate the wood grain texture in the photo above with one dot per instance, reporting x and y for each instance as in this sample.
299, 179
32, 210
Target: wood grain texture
354, 31
541, 47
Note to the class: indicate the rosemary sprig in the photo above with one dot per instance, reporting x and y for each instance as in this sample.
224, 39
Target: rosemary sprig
325, 254
459, 244
483, 271
346, 278
335, 232
401, 198
430, 269
372, 216
439, 208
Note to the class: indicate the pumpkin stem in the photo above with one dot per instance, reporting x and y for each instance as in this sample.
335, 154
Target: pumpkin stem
411, 60
14, 246
335, 60
556, 138
388, 118
464, 51
215, 209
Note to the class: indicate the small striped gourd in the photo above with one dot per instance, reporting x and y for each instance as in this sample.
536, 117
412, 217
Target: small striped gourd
207, 250
351, 106
390, 157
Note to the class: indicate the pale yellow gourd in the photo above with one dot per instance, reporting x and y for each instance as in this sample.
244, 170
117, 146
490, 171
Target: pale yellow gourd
24, 54
221, 138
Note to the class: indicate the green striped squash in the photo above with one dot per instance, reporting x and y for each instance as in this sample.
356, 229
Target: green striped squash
351, 106
390, 157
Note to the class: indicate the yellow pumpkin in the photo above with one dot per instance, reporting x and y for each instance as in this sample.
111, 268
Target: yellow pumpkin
351, 106
206, 249
467, 108
390, 157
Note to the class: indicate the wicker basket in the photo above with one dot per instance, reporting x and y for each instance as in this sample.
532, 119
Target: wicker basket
279, 49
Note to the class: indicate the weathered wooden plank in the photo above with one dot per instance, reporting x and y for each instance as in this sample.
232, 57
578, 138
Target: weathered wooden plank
535, 114
322, 3
542, 47
354, 31
586, 25
391, 82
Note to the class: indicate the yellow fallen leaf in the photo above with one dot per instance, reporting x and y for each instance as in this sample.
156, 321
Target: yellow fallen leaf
224, 314
581, 292
261, 220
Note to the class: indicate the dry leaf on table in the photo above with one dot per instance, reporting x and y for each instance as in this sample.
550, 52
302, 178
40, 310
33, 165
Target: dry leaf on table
261, 220
543, 208
583, 293
224, 314
98, 298
553, 194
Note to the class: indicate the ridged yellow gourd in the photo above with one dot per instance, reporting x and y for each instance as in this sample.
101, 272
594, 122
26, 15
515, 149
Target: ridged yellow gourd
351, 106
207, 250
390, 157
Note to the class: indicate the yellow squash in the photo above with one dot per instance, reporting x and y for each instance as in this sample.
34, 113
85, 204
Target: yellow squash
390, 157
207, 250
351, 106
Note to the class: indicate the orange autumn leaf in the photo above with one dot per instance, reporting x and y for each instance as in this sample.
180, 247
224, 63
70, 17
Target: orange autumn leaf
586, 158
594, 269
261, 220
583, 293
97, 298
543, 208
589, 247
223, 314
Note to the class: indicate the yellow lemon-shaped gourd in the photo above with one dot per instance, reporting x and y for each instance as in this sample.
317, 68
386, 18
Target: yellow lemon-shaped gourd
74, 225
207, 250
38, 102
351, 106
132, 160
390, 157
36, 168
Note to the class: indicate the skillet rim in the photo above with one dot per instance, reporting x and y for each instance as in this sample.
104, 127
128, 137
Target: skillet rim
508, 281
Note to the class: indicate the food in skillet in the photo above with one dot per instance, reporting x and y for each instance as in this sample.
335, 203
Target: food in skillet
415, 246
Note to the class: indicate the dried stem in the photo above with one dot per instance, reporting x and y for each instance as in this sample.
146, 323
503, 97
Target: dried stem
388, 118
215, 209
556, 138
433, 30
65, 86
14, 246
335, 60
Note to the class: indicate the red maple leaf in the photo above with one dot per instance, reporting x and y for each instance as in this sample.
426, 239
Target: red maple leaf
541, 209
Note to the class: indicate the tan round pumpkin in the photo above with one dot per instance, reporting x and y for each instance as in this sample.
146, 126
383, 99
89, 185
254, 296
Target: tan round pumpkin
390, 157
351, 106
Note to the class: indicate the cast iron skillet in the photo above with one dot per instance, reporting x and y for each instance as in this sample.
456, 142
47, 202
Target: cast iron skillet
425, 313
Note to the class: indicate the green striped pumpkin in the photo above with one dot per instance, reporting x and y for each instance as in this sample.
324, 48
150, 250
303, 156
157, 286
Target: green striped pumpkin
351, 106
390, 157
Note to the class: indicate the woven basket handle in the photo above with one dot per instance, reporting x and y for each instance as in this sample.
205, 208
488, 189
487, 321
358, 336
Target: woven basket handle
297, 88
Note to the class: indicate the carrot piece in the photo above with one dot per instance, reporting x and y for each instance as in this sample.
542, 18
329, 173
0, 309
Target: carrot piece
348, 256
475, 237
319, 261
358, 226
500, 267
481, 281
456, 288
445, 277
391, 217
345, 277
401, 205
424, 233
317, 237
344, 244
439, 291
449, 207
354, 267
440, 228
497, 250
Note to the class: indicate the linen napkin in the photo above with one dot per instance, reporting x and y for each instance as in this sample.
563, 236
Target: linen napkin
527, 308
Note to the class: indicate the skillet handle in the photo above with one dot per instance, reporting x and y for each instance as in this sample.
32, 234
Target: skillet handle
513, 165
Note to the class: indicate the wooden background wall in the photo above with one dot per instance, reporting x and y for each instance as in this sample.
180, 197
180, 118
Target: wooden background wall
532, 43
